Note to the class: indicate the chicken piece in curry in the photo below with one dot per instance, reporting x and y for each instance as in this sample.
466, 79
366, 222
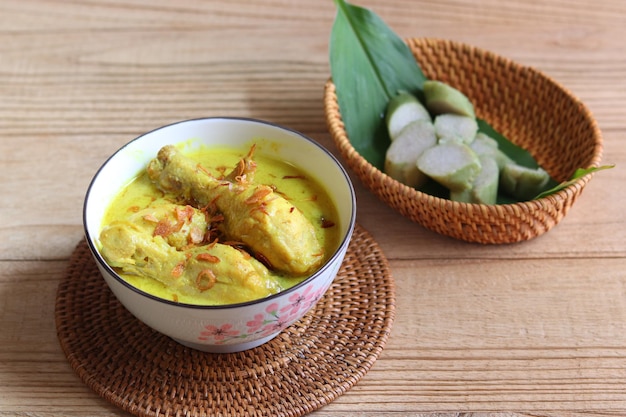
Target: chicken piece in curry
254, 214
191, 230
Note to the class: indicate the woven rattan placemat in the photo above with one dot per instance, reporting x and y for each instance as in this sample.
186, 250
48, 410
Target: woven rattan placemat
308, 365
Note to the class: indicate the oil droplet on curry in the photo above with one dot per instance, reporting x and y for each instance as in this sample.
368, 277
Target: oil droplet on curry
218, 226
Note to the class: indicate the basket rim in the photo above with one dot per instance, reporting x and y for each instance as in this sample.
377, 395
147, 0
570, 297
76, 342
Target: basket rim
339, 134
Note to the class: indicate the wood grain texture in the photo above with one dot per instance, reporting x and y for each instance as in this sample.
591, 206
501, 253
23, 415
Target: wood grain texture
536, 329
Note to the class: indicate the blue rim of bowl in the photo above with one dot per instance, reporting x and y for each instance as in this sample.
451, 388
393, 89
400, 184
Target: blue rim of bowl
345, 242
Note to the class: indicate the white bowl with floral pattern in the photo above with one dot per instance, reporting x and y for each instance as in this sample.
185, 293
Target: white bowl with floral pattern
234, 327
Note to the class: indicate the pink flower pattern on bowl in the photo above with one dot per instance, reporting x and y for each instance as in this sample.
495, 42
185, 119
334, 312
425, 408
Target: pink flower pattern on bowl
274, 319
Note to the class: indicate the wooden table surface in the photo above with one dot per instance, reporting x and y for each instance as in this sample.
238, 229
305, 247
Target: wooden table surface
531, 329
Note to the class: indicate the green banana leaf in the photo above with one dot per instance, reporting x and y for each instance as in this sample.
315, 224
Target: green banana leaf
579, 173
369, 65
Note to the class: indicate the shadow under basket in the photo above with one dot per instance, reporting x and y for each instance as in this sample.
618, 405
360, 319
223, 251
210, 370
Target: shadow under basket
527, 107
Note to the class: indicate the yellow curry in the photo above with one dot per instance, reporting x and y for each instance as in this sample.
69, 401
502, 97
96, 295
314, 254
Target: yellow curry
218, 226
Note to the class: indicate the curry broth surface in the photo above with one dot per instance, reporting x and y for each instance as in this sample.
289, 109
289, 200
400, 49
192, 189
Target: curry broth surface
295, 185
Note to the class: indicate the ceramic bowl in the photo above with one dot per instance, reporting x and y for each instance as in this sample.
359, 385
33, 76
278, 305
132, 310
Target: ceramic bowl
526, 106
234, 327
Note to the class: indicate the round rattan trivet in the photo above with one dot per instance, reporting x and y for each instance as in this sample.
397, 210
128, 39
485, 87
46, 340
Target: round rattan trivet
308, 365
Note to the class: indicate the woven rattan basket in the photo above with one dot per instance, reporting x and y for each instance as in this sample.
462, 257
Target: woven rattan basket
527, 107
